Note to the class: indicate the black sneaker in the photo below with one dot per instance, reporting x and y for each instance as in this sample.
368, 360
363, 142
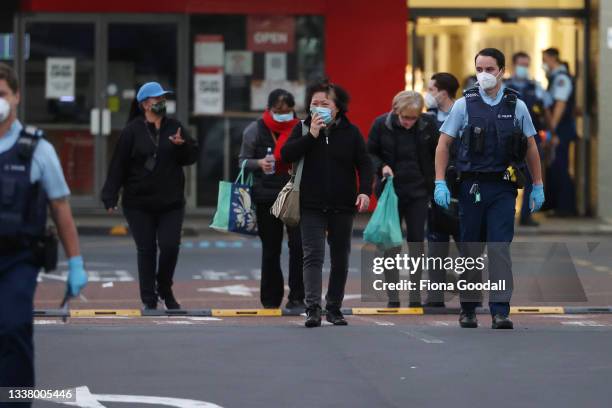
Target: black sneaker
415, 304
502, 322
335, 317
295, 305
529, 223
313, 316
393, 305
170, 301
434, 304
149, 306
468, 320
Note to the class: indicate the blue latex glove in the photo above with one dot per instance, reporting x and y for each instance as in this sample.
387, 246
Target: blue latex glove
536, 198
441, 194
77, 277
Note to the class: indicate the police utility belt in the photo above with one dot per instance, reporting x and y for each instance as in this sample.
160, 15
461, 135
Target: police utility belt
44, 249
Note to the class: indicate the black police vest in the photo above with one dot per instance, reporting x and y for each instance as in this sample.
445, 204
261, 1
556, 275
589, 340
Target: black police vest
484, 145
23, 204
568, 113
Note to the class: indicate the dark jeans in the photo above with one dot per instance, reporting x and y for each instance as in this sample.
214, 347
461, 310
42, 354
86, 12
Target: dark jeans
150, 230
270, 230
414, 214
339, 228
17, 286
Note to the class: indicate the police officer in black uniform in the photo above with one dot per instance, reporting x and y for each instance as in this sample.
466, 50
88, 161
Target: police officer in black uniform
442, 223
495, 133
31, 179
534, 96
562, 123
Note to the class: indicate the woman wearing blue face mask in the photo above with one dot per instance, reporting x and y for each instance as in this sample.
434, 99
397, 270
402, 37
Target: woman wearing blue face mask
334, 153
261, 144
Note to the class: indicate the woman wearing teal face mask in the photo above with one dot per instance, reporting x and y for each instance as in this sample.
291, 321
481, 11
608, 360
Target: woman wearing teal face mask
334, 154
269, 134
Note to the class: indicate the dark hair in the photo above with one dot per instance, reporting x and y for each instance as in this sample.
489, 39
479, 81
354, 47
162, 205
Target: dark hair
446, 82
279, 96
8, 74
520, 54
552, 52
135, 110
337, 93
493, 53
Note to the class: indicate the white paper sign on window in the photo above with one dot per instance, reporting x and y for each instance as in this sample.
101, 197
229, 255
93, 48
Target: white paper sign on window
60, 79
239, 63
208, 92
208, 51
276, 66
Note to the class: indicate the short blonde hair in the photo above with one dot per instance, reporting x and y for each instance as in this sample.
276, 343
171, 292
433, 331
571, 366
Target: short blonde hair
407, 99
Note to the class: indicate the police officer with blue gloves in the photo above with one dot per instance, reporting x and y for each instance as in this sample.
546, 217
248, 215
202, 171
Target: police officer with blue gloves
495, 133
441, 223
536, 99
30, 179
562, 192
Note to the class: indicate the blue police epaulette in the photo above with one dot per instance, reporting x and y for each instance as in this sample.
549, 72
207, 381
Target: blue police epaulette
28, 139
510, 91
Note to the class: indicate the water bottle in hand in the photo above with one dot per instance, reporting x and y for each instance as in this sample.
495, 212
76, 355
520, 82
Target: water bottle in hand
270, 159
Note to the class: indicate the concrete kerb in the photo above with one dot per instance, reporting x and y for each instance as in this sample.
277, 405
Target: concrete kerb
542, 310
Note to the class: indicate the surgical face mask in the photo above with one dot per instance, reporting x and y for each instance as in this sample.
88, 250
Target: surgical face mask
5, 110
430, 101
546, 68
521, 72
324, 113
486, 80
159, 108
282, 117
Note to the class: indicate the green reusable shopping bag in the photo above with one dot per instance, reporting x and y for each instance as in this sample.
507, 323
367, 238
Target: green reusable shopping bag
384, 229
235, 208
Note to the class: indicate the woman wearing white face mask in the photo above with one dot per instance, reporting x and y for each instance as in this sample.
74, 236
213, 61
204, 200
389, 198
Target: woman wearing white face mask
261, 145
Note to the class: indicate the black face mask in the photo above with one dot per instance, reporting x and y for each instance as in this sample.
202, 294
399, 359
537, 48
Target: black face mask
159, 108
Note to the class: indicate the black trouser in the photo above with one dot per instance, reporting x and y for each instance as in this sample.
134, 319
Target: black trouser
414, 213
339, 229
150, 230
270, 230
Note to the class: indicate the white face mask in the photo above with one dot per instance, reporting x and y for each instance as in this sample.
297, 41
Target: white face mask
5, 110
430, 101
546, 68
486, 81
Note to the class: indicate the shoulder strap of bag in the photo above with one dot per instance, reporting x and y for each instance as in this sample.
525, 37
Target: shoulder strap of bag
300, 163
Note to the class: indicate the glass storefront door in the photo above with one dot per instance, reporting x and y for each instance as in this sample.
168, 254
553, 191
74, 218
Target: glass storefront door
79, 80
59, 95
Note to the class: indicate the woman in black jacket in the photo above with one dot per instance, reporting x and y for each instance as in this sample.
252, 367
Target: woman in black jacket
148, 165
334, 151
270, 133
402, 144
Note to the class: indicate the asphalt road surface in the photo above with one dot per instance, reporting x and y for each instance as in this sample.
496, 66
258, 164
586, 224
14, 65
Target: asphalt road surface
399, 361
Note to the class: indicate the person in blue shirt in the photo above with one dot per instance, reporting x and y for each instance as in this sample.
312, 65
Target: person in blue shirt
536, 99
495, 133
562, 124
31, 179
